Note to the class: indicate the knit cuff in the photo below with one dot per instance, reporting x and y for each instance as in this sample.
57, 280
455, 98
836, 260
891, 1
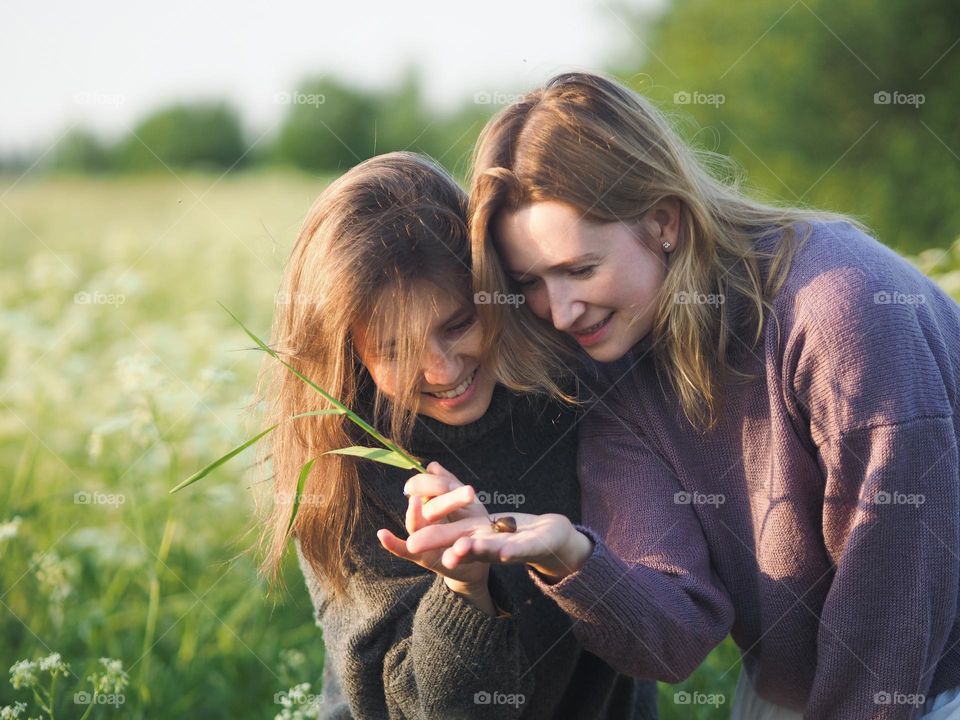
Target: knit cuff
446, 617
601, 570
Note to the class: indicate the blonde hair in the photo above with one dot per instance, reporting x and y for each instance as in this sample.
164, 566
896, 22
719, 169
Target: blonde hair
609, 153
372, 237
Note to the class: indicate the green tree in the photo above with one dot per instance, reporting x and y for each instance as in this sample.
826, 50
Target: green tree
847, 106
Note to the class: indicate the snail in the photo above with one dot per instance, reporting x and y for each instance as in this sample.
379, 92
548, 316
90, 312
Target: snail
505, 524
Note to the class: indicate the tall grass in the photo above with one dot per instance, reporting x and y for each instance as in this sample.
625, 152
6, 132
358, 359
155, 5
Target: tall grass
119, 376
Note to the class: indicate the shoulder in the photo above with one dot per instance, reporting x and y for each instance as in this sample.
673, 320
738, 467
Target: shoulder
863, 326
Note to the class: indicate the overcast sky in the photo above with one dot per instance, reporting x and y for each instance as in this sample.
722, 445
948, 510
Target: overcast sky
106, 62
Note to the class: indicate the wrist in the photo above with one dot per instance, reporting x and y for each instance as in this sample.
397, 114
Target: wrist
476, 593
570, 558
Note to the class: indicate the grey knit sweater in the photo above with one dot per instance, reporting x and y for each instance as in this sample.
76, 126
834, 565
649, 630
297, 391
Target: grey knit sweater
404, 646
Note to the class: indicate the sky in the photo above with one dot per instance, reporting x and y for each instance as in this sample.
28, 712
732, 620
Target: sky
105, 63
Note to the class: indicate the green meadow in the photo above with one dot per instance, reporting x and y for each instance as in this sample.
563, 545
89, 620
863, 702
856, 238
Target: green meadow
120, 376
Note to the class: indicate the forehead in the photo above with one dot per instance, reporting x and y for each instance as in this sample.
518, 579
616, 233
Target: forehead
542, 234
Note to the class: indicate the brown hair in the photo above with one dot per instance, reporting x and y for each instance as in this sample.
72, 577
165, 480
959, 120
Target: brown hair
372, 236
609, 153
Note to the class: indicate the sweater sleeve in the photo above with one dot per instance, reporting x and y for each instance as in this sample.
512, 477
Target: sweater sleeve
402, 644
872, 381
646, 600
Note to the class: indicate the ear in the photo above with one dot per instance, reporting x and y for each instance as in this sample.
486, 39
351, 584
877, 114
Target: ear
664, 220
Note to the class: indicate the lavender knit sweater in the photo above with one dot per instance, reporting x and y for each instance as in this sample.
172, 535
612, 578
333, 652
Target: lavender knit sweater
818, 523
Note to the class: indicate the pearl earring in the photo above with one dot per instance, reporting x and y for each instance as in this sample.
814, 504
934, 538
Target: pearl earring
667, 246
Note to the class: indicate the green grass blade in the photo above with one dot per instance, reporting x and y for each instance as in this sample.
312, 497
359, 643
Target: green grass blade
220, 461
352, 416
380, 455
304, 472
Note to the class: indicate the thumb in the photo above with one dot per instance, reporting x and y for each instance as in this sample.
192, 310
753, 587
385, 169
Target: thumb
393, 544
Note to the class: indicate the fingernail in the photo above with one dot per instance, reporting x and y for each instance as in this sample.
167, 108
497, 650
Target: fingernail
405, 491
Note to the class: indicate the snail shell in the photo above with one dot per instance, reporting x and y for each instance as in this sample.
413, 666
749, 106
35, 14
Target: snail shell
504, 524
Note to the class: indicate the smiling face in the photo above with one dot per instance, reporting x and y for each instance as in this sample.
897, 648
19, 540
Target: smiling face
454, 386
598, 282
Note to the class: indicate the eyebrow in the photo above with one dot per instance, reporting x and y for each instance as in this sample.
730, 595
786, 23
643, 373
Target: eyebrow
565, 265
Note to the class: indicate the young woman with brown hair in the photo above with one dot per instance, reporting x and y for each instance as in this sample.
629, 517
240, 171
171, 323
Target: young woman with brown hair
378, 310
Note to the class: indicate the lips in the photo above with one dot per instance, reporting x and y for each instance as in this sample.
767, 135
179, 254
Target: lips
593, 328
458, 390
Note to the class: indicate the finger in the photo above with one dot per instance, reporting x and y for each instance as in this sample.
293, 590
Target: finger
436, 468
435, 537
394, 544
430, 485
443, 505
408, 520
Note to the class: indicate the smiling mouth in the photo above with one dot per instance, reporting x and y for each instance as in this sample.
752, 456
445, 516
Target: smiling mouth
593, 328
458, 390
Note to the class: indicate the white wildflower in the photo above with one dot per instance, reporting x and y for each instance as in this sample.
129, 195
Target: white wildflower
10, 528
113, 680
12, 712
23, 674
139, 374
53, 664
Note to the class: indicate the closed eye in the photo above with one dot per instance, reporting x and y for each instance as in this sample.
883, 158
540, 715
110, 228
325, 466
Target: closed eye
583, 272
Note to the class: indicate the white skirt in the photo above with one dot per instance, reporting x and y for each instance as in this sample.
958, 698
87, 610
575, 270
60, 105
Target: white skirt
747, 705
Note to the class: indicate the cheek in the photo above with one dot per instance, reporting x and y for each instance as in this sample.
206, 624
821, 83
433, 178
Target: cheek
538, 301
384, 377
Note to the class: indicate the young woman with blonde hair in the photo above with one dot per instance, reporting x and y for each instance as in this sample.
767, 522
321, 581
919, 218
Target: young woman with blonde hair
377, 308
773, 452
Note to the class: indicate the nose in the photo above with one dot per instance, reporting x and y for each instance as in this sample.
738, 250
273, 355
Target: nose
565, 309
442, 366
